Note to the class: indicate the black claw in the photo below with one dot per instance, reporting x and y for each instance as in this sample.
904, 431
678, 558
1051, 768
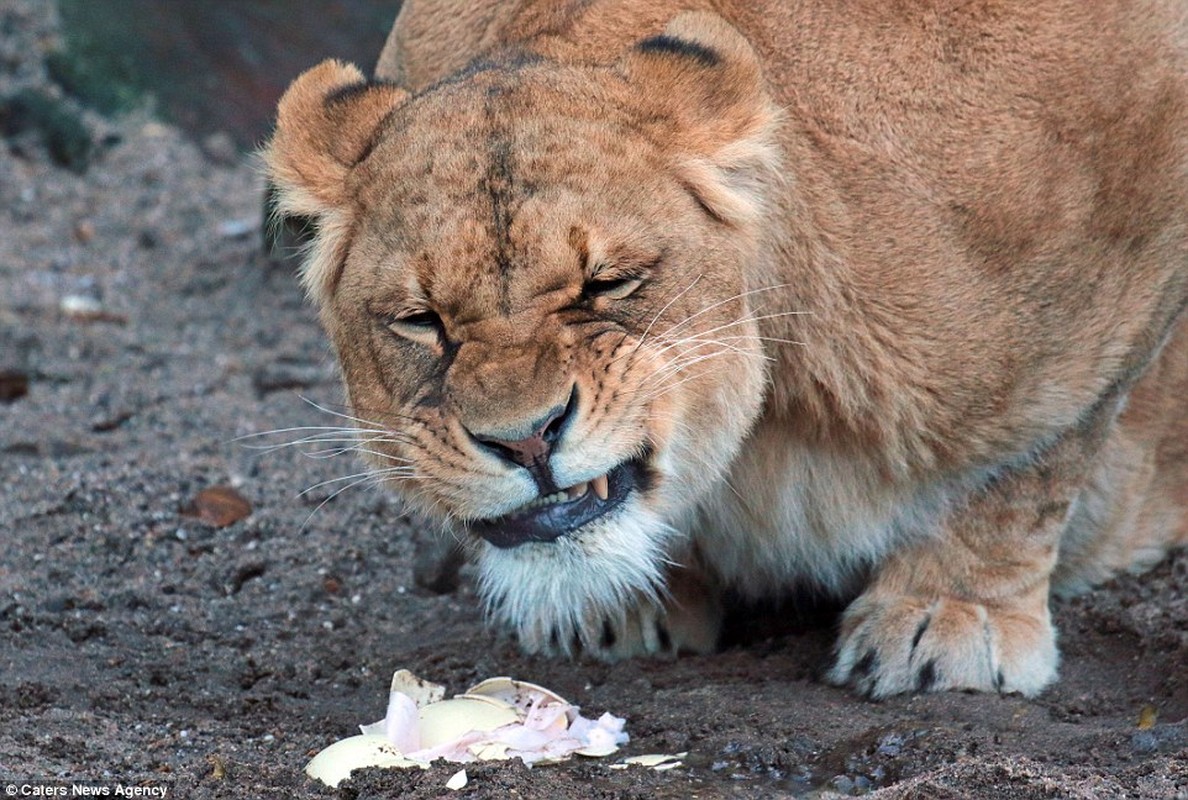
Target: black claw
927, 676
577, 643
866, 665
924, 623
608, 635
555, 639
999, 681
662, 635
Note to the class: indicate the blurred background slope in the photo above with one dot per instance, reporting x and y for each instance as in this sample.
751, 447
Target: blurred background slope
208, 66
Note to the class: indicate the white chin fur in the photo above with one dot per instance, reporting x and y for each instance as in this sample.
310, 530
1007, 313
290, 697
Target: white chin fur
551, 593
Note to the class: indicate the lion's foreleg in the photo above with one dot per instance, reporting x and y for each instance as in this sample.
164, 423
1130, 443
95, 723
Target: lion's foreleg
967, 607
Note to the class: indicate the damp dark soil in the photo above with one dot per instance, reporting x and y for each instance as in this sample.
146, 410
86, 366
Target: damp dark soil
179, 608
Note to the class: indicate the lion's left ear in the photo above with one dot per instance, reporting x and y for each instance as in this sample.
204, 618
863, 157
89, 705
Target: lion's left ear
326, 123
710, 85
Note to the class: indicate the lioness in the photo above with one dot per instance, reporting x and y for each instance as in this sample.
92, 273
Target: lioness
650, 299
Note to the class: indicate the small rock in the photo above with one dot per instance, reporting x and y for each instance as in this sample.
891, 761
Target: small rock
218, 506
154, 130
890, 745
1144, 742
80, 306
1148, 716
84, 231
85, 308
238, 228
61, 129
13, 385
218, 766
843, 784
220, 148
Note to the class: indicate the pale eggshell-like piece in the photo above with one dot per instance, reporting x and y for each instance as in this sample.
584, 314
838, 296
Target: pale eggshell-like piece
401, 723
558, 726
451, 719
601, 737
422, 692
657, 761
334, 765
485, 698
598, 750
457, 780
517, 693
490, 751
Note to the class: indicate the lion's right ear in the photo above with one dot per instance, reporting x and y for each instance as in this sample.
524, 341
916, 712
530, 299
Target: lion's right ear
326, 123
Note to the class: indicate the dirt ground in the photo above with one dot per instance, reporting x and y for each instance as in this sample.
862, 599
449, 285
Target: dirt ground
142, 332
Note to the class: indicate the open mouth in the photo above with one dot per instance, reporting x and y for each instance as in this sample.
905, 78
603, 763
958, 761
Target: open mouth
548, 517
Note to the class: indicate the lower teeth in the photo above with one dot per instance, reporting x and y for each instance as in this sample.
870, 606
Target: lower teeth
598, 486
547, 500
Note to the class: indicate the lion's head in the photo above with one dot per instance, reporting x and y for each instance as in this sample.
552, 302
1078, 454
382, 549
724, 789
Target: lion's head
539, 280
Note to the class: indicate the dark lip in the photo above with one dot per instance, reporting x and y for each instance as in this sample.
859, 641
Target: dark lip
549, 523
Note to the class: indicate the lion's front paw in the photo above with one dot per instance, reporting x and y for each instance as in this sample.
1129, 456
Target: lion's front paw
892, 644
688, 621
642, 630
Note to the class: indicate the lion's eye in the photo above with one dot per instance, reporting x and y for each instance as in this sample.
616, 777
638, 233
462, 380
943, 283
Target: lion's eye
420, 325
612, 288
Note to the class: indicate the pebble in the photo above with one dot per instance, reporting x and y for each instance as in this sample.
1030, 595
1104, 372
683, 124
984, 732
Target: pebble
13, 385
238, 228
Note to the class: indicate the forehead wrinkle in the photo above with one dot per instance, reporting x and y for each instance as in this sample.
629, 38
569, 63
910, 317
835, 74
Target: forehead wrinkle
468, 202
418, 279
454, 269
511, 182
498, 186
541, 237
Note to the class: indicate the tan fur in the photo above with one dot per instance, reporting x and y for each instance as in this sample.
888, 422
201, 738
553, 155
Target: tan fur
910, 325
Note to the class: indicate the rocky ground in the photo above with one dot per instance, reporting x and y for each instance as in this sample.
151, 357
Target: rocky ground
152, 637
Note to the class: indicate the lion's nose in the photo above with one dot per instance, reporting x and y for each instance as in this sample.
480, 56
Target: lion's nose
534, 449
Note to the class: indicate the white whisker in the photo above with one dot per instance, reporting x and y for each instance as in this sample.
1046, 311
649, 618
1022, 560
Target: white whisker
360, 476
335, 494
679, 295
741, 295
724, 326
